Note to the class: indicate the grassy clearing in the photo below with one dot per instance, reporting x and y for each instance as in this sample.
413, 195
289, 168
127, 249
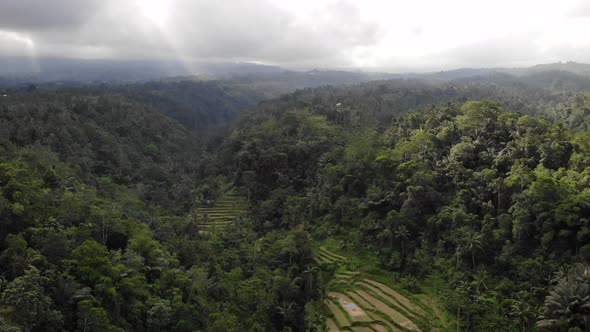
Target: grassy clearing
430, 287
218, 223
331, 325
325, 256
394, 302
385, 299
331, 254
359, 300
216, 215
354, 310
387, 305
339, 317
325, 260
376, 318
394, 315
438, 319
379, 328
399, 297
223, 213
328, 259
348, 276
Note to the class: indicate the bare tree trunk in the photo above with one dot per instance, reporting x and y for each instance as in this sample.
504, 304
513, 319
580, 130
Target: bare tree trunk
458, 316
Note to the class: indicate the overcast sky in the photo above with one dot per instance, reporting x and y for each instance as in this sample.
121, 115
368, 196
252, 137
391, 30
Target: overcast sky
394, 35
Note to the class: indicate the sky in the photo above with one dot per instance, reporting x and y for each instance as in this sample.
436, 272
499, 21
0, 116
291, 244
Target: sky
376, 35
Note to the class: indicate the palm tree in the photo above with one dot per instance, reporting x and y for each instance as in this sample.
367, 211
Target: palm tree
289, 248
473, 242
522, 312
403, 234
386, 235
458, 253
313, 196
461, 289
310, 271
479, 280
568, 302
286, 310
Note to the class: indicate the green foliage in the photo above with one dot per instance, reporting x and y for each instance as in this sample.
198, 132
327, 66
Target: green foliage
28, 304
492, 193
93, 263
96, 192
568, 302
101, 135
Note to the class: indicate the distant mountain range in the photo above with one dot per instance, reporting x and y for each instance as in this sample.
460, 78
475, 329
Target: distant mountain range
18, 70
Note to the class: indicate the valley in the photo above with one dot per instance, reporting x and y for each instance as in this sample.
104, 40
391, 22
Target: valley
398, 205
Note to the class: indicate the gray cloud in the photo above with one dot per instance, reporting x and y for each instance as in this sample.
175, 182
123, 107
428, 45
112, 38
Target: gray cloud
507, 51
254, 30
43, 14
257, 30
335, 33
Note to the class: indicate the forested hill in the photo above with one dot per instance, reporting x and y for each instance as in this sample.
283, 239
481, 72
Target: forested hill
115, 216
105, 136
376, 103
203, 104
200, 104
98, 195
197, 105
491, 202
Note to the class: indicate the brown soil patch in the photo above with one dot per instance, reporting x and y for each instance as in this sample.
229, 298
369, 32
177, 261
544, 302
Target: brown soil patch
353, 309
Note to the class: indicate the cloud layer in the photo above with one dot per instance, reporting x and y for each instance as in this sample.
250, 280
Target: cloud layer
371, 34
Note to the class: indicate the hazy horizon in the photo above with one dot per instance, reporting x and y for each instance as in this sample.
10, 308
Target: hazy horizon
396, 37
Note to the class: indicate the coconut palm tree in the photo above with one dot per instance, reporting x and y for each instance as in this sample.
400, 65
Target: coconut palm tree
569, 301
286, 310
310, 271
402, 233
523, 313
480, 279
473, 243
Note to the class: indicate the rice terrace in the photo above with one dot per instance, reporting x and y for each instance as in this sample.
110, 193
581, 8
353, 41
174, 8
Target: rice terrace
219, 214
358, 302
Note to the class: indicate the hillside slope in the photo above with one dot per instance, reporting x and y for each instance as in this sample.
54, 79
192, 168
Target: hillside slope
104, 136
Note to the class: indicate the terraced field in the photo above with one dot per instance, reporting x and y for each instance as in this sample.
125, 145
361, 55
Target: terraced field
327, 257
226, 210
359, 303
